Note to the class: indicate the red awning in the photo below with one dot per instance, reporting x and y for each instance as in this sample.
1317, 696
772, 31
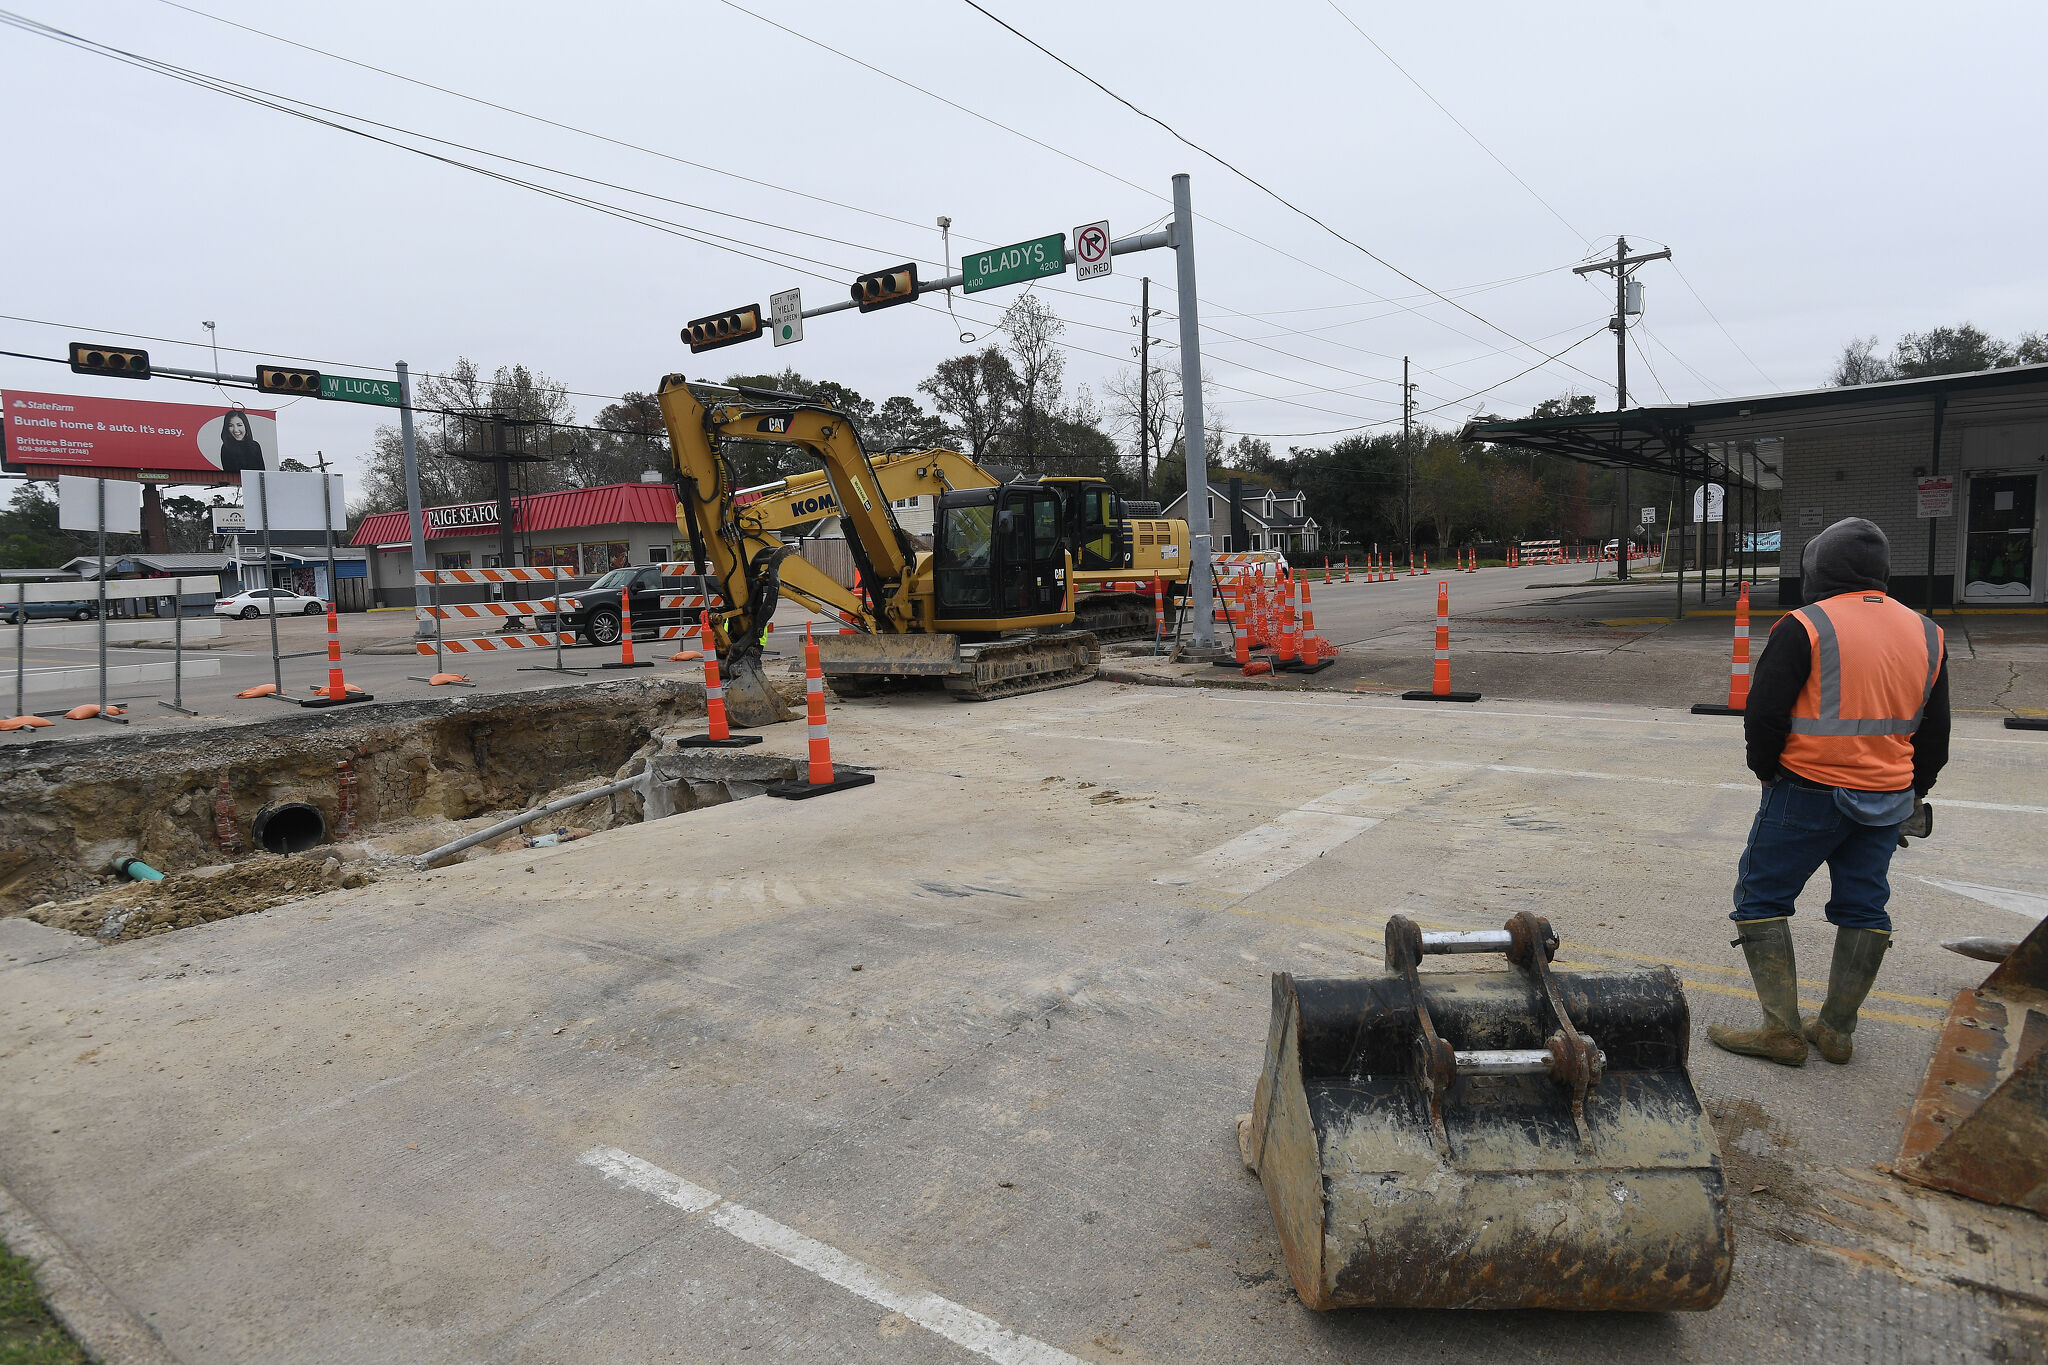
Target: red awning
569, 509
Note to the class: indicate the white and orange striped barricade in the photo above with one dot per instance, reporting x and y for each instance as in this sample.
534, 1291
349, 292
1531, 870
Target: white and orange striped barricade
337, 692
508, 612
1347, 568
821, 776
626, 659
1738, 666
1440, 679
717, 732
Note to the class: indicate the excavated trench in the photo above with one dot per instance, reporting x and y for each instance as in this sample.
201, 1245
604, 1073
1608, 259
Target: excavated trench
243, 817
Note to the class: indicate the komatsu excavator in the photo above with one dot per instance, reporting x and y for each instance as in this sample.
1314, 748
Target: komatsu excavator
1113, 544
988, 611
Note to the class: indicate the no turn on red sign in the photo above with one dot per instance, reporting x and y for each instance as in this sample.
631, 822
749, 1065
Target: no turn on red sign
1091, 250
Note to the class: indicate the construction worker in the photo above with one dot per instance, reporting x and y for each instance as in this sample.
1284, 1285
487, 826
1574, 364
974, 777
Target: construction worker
1847, 726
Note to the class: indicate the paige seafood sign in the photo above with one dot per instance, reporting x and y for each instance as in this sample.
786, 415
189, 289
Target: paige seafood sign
1014, 264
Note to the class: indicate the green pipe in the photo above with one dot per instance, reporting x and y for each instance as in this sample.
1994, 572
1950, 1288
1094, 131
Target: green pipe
136, 870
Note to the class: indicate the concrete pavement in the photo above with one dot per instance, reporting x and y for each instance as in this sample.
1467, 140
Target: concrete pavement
945, 1068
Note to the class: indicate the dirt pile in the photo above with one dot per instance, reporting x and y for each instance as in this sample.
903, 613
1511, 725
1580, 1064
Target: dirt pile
201, 895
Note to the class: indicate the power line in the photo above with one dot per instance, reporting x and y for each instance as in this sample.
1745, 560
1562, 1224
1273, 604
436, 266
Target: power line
1724, 330
1476, 140
1644, 356
283, 104
1256, 184
542, 119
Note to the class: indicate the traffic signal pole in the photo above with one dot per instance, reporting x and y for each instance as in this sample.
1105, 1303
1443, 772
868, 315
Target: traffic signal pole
1201, 587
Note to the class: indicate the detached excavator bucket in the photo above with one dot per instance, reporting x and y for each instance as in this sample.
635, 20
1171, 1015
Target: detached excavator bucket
1980, 1125
1513, 1139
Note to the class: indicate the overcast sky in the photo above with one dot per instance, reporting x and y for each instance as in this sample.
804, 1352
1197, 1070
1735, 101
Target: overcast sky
1821, 171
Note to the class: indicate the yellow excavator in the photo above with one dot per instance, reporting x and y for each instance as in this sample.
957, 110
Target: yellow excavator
1113, 543
988, 611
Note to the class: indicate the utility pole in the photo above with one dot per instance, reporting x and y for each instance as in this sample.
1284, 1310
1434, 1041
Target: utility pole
1621, 267
1145, 389
1407, 462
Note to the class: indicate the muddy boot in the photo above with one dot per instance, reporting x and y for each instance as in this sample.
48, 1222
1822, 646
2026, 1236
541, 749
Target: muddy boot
1767, 943
1858, 954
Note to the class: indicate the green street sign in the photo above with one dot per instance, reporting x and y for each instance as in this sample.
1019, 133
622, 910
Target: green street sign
1014, 264
347, 389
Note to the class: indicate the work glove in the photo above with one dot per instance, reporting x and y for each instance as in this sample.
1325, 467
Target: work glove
1919, 824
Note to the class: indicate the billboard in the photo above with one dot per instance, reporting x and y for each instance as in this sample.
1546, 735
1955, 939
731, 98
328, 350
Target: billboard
46, 434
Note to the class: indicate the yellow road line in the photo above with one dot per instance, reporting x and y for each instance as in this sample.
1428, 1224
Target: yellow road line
1717, 988
1927, 1002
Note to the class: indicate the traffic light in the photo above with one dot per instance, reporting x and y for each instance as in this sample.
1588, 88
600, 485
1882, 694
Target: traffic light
89, 359
886, 288
724, 329
298, 383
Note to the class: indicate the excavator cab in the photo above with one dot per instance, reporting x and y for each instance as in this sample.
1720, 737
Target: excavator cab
997, 556
1095, 523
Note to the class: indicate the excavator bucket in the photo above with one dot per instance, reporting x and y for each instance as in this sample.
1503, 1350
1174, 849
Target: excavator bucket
750, 700
1980, 1125
1514, 1139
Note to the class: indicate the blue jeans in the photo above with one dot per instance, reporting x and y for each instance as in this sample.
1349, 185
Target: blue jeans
1797, 829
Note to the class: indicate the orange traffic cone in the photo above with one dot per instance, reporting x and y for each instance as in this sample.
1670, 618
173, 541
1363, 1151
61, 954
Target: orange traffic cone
337, 692
1440, 680
1738, 668
1312, 658
717, 735
626, 659
823, 777
1347, 568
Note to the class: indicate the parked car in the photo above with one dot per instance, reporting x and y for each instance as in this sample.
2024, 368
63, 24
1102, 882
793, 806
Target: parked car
266, 601
593, 611
49, 611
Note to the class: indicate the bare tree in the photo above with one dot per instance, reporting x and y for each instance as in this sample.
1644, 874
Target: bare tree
976, 393
446, 405
1033, 345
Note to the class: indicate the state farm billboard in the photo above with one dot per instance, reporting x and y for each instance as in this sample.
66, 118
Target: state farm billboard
46, 434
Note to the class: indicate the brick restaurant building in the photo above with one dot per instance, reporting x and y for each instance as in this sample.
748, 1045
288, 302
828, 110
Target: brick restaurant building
590, 530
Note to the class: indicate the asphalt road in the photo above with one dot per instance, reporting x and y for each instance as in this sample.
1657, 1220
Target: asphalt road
946, 1068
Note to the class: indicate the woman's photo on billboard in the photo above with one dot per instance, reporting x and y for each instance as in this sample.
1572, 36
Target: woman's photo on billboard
239, 451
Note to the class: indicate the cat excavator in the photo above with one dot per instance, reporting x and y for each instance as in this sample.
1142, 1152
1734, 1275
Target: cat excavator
1118, 549
988, 611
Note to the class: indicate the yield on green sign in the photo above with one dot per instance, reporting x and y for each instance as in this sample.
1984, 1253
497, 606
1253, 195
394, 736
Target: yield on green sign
1014, 264
348, 389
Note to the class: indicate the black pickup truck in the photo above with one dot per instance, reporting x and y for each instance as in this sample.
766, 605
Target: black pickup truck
592, 611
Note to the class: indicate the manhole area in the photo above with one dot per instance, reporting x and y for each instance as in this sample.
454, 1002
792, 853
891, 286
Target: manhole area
254, 816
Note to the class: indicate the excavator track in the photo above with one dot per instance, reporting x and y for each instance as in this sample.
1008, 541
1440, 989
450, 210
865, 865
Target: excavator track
1039, 663
1115, 616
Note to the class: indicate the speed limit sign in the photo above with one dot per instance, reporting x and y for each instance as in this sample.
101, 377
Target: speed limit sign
1091, 250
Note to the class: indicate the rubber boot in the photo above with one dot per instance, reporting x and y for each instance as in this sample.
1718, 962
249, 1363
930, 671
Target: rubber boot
1767, 943
1858, 955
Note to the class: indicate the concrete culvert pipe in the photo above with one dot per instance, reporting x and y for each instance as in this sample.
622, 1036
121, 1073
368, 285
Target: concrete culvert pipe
289, 827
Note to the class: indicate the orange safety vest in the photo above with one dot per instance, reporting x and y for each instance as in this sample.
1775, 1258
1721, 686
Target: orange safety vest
1874, 666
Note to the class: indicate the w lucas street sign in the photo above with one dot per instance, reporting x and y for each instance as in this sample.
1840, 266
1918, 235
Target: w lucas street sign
1014, 264
346, 389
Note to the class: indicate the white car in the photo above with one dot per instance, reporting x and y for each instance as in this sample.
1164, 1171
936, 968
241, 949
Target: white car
264, 601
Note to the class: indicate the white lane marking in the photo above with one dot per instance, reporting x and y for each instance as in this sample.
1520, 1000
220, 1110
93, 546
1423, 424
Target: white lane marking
1991, 805
1453, 713
961, 1326
2029, 903
1259, 857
